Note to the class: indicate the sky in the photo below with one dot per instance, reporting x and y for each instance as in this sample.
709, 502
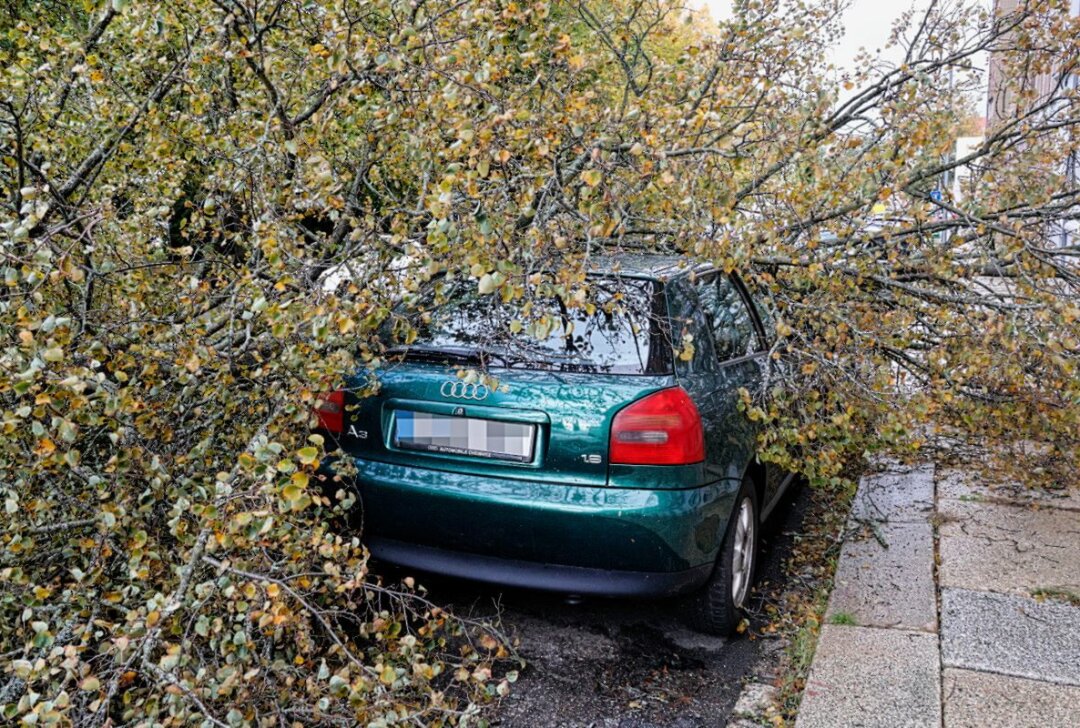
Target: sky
867, 22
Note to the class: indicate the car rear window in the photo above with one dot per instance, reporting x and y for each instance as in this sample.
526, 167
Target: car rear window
617, 330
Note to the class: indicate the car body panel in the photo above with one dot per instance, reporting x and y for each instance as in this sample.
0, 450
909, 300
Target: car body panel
572, 412
598, 527
714, 386
567, 518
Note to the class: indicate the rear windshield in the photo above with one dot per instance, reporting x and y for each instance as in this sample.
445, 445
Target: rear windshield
618, 330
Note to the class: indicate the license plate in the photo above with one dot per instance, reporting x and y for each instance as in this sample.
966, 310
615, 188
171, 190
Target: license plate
470, 436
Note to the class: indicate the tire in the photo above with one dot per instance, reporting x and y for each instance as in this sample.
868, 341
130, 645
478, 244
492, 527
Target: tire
717, 608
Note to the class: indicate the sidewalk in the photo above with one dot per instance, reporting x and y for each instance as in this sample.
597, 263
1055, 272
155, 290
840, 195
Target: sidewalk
956, 606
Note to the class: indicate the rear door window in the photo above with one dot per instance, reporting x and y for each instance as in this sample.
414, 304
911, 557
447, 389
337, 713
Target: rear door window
688, 319
729, 318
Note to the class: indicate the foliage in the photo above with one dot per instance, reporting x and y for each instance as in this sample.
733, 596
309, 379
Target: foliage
176, 177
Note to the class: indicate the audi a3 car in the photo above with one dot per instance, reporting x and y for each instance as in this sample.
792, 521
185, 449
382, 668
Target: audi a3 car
603, 452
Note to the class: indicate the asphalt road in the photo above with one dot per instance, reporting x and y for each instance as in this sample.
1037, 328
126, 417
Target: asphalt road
619, 664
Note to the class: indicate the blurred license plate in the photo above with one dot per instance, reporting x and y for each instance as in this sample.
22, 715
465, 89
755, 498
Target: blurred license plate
490, 439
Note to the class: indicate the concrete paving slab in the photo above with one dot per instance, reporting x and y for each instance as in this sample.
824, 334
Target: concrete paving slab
1008, 548
757, 703
864, 677
967, 485
895, 495
887, 587
980, 699
1010, 635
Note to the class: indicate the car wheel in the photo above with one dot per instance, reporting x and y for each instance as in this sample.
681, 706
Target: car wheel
717, 608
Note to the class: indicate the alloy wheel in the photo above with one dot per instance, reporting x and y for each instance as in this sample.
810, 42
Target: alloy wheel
742, 557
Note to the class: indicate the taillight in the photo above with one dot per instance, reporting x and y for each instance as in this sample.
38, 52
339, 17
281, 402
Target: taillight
330, 408
661, 429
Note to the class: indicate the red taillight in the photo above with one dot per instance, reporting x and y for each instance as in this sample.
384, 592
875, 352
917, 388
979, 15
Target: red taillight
661, 429
330, 408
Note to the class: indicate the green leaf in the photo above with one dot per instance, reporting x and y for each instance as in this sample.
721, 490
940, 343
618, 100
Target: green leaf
338, 685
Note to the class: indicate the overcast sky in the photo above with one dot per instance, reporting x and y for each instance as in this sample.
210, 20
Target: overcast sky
867, 23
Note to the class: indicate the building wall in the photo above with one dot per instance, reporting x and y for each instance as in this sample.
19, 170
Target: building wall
998, 100
1001, 100
961, 181
1000, 106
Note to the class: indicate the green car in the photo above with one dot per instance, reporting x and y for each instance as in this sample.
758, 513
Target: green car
602, 454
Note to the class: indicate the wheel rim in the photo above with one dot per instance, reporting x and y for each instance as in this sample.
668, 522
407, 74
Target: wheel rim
742, 557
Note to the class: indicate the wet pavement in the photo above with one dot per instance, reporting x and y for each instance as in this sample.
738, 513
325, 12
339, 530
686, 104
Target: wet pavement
622, 664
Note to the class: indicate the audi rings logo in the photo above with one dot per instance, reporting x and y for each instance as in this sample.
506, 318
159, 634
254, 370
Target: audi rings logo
464, 390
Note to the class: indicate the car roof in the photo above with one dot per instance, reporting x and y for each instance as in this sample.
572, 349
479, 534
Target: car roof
659, 266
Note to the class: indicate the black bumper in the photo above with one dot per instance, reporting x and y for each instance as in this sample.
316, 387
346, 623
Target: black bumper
533, 575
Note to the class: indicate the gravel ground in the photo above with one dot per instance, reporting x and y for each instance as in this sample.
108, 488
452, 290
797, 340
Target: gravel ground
620, 664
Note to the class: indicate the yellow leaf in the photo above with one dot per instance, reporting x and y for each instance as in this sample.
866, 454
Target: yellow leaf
308, 455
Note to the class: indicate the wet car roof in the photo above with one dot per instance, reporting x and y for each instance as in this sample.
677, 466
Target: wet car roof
645, 265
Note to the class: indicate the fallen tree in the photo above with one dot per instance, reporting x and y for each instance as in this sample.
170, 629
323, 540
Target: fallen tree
177, 177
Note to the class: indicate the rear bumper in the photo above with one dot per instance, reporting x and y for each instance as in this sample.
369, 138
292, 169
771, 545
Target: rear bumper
534, 575
575, 539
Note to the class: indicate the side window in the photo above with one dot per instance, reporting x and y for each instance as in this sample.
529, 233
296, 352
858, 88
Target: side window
729, 318
767, 315
689, 318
